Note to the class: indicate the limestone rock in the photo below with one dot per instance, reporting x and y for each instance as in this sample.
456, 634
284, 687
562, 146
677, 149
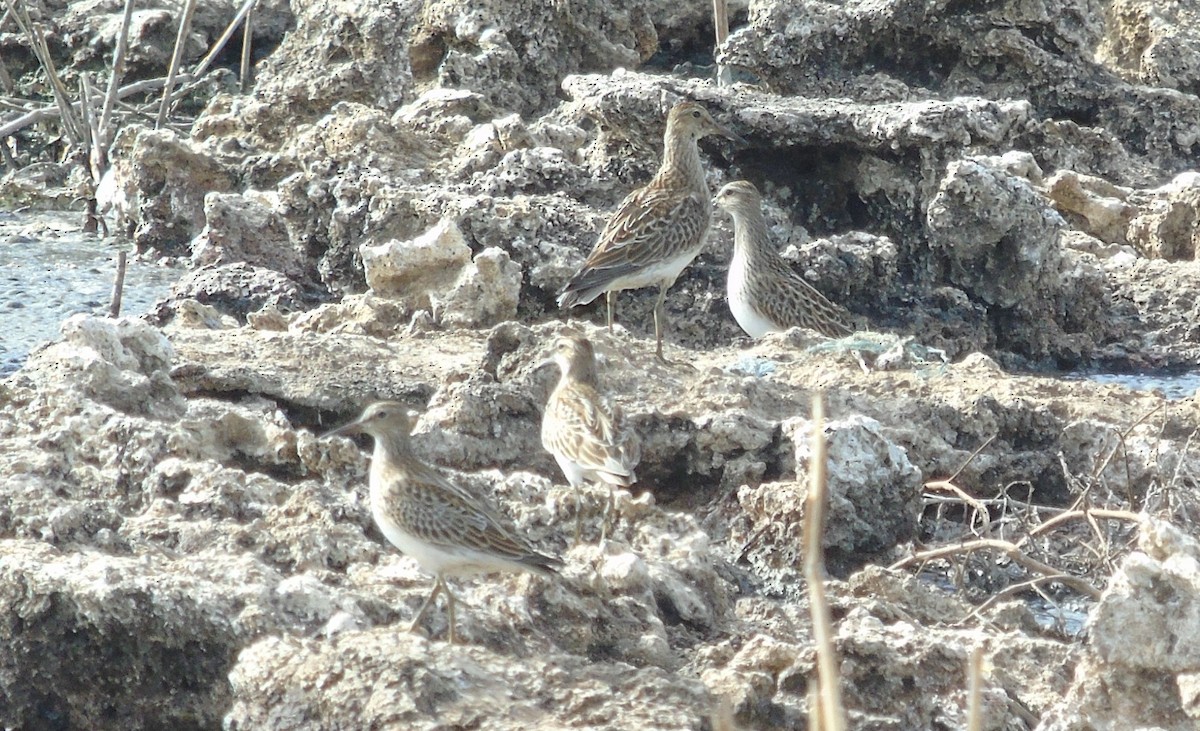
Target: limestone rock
413, 269
123, 363
388, 678
933, 50
337, 52
486, 293
155, 26
158, 183
171, 633
1100, 207
237, 289
1168, 226
1154, 43
244, 228
1144, 624
1156, 589
436, 272
874, 496
1000, 241
999, 244
514, 53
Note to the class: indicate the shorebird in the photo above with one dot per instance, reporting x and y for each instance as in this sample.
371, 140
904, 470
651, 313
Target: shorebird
658, 229
765, 295
588, 436
447, 528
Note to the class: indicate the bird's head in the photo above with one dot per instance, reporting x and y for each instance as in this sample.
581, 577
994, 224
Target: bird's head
378, 419
570, 350
693, 119
738, 196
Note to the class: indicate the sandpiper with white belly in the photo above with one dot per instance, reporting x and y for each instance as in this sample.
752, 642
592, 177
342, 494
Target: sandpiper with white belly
588, 435
658, 229
447, 528
765, 294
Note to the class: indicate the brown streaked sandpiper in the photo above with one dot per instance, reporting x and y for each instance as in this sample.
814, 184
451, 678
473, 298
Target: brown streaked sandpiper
587, 434
447, 528
765, 294
658, 229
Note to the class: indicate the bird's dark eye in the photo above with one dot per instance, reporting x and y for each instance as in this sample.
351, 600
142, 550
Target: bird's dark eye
381, 414
696, 114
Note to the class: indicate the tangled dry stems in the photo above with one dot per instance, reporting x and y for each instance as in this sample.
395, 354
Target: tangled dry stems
1005, 546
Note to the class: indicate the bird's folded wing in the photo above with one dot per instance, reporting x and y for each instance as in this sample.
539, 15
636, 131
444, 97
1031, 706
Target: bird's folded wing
652, 225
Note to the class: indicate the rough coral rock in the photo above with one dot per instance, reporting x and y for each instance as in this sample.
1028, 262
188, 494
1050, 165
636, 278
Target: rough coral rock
157, 186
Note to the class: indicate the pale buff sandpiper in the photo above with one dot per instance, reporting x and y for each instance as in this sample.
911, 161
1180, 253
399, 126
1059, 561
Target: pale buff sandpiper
765, 294
658, 229
448, 529
588, 435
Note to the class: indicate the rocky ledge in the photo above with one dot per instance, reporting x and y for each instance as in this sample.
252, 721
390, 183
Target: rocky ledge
1003, 193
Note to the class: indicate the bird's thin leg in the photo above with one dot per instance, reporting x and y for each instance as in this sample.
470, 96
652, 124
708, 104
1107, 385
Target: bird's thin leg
610, 512
450, 602
578, 513
610, 297
660, 316
437, 587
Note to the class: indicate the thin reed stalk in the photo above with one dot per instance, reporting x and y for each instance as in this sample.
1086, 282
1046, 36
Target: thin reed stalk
114, 84
831, 712
185, 26
247, 41
37, 42
91, 126
114, 309
242, 14
721, 24
90, 121
51, 111
975, 690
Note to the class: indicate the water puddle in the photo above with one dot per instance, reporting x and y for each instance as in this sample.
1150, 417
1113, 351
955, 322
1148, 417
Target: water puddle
50, 270
1173, 386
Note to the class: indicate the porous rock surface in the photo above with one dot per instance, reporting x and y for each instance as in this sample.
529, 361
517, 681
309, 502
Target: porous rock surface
390, 212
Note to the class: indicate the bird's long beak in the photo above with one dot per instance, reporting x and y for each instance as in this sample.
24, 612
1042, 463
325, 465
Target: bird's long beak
730, 134
346, 430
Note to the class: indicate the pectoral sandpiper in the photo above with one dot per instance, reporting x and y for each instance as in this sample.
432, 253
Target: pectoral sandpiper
588, 435
447, 528
658, 229
765, 294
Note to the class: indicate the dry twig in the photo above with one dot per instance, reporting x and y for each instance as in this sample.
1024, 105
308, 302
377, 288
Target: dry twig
51, 111
242, 14
1010, 550
832, 714
114, 87
1031, 584
185, 26
41, 51
1089, 515
114, 309
947, 485
975, 690
247, 42
721, 24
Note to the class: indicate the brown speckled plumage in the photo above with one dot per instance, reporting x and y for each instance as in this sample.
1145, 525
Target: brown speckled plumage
587, 434
658, 229
765, 294
447, 528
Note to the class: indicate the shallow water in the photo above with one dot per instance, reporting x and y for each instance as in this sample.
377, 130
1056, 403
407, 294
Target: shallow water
1173, 386
50, 270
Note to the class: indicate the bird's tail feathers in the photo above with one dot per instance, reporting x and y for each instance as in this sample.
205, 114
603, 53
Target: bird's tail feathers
542, 565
